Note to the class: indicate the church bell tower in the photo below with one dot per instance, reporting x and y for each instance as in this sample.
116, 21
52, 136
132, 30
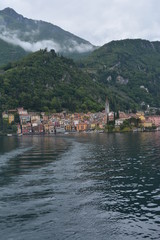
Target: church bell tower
107, 106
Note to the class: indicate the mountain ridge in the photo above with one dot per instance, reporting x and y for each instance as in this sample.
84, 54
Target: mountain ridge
131, 66
33, 35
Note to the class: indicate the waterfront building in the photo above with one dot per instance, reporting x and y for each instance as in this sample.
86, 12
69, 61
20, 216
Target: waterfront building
35, 117
155, 120
24, 119
26, 128
10, 118
5, 115
81, 127
21, 111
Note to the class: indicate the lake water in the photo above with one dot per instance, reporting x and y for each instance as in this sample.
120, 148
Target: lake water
80, 187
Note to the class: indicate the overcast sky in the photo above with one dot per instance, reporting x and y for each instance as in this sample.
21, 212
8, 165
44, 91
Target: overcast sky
98, 21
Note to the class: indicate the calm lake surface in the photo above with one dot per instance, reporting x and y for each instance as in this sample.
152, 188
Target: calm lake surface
85, 187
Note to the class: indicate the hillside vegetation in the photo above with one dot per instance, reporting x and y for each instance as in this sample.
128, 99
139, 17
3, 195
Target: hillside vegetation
10, 53
46, 82
131, 67
127, 72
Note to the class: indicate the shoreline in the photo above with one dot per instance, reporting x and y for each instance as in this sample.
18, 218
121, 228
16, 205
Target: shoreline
73, 133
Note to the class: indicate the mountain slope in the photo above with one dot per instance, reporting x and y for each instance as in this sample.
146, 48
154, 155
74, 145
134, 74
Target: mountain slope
128, 66
9, 53
33, 35
45, 82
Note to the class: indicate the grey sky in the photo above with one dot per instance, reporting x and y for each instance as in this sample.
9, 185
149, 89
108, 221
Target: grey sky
98, 21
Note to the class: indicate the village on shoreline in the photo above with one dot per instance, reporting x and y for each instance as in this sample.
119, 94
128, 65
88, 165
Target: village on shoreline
22, 122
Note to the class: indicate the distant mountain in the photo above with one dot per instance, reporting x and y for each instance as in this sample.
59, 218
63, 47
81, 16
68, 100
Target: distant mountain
33, 35
130, 68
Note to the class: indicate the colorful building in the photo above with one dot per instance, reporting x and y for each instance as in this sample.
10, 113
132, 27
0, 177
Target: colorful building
10, 118
81, 127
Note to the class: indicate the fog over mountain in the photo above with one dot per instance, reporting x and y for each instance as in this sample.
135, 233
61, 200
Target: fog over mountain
33, 35
71, 46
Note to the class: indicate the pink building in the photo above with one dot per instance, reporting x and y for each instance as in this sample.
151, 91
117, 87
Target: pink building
155, 120
122, 115
26, 129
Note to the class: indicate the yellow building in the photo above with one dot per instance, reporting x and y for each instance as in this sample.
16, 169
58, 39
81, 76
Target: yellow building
146, 124
141, 116
93, 125
10, 118
68, 127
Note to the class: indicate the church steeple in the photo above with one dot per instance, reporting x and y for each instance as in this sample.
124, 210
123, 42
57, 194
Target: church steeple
107, 106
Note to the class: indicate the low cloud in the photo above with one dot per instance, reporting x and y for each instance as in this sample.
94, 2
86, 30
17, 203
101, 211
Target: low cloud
12, 37
80, 48
31, 47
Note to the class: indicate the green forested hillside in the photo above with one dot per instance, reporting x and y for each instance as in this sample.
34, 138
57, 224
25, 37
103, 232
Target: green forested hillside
126, 72
45, 82
131, 67
9, 52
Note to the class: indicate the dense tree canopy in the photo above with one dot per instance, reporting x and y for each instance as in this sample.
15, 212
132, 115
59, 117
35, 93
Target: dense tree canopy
43, 81
129, 67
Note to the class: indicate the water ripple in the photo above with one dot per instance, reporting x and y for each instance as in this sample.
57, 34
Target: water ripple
81, 187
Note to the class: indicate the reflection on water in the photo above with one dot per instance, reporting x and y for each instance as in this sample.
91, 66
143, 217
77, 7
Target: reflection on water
95, 186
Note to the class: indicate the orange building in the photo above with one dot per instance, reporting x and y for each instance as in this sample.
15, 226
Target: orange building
81, 127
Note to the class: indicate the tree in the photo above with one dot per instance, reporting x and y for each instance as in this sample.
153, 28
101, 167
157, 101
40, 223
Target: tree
117, 114
16, 118
14, 128
55, 104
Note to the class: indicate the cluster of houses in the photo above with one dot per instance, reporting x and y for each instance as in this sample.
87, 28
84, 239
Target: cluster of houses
139, 120
39, 123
